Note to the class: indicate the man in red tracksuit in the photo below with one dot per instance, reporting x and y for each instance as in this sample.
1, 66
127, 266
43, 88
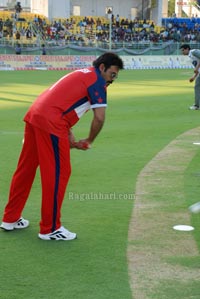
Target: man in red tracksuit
48, 138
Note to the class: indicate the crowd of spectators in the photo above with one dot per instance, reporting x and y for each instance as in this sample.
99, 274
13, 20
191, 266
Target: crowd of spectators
95, 30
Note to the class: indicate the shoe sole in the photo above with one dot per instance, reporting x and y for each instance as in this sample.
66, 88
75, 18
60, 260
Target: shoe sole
48, 238
8, 230
14, 226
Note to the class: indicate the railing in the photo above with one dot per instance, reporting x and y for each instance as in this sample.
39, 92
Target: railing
81, 48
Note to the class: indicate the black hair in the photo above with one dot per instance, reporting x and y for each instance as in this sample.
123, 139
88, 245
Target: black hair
185, 46
109, 59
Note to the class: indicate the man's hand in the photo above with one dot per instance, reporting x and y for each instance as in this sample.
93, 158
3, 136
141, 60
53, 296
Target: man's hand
192, 78
82, 144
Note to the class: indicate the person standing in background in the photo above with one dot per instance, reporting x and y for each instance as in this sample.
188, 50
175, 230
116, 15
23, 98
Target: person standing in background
194, 55
18, 49
44, 52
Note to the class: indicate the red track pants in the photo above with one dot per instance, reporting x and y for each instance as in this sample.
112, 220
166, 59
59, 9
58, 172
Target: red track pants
52, 155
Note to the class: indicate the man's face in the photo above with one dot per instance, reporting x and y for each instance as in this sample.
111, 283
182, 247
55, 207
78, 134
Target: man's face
185, 51
110, 74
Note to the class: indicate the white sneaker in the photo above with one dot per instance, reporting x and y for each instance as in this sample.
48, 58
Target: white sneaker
59, 234
19, 224
194, 107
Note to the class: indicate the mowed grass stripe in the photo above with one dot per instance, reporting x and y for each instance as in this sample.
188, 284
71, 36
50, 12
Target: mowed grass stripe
139, 124
160, 204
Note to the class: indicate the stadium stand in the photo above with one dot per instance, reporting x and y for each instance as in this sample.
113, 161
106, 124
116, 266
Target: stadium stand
181, 23
88, 26
33, 30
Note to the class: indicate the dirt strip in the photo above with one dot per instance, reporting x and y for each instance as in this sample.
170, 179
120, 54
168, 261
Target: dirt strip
158, 207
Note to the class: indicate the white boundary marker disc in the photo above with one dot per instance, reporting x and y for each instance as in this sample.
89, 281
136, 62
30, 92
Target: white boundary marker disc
196, 143
185, 228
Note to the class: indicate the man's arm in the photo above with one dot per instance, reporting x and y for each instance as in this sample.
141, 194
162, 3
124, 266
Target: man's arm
96, 126
196, 53
196, 70
71, 139
97, 123
193, 77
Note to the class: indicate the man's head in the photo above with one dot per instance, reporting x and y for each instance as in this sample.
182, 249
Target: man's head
109, 65
185, 49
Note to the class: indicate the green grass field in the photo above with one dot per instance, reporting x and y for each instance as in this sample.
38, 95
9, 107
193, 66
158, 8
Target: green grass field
147, 109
